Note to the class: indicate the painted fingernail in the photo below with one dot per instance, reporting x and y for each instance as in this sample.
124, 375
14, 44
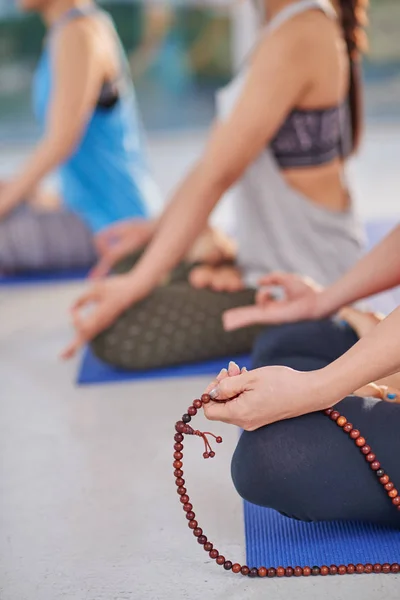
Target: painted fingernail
214, 393
233, 365
223, 372
392, 396
244, 369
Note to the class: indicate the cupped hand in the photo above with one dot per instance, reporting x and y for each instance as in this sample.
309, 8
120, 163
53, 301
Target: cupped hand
299, 302
256, 398
118, 241
98, 308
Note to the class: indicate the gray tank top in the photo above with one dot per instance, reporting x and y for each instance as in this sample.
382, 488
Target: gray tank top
278, 228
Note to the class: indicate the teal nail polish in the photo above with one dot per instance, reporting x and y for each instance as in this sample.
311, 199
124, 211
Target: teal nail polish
343, 322
392, 396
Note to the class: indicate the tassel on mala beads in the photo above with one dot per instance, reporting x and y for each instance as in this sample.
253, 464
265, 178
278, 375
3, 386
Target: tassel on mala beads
183, 428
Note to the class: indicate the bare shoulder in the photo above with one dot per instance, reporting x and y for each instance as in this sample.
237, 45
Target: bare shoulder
301, 37
76, 37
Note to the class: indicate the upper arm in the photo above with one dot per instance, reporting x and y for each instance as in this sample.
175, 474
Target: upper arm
277, 79
76, 83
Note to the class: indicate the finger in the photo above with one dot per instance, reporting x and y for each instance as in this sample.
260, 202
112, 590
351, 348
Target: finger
230, 387
265, 295
272, 279
243, 316
391, 394
89, 296
233, 369
72, 348
221, 375
101, 269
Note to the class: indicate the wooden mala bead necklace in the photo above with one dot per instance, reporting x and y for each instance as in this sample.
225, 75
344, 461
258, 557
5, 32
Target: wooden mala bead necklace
182, 428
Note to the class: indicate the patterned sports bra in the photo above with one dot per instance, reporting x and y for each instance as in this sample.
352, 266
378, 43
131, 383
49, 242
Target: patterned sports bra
313, 137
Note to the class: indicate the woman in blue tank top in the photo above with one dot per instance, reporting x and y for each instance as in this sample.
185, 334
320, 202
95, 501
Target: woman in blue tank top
84, 99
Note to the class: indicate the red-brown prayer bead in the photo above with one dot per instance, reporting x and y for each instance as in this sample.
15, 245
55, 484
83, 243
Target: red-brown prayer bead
392, 494
245, 570
395, 568
396, 501
333, 570
197, 404
262, 572
187, 507
177, 464
324, 570
370, 457
214, 554
384, 479
348, 427
205, 398
220, 560
366, 449
341, 421
192, 411
236, 568
198, 532
298, 571
342, 570
178, 437
289, 571
351, 569
208, 546
386, 568
178, 473
306, 571
179, 482
280, 572
271, 572
360, 568
376, 465
389, 486
354, 434
185, 499
368, 568
193, 524
377, 568
334, 415
360, 442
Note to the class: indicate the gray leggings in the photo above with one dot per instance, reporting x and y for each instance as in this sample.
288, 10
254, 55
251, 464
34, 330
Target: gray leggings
176, 324
307, 468
31, 239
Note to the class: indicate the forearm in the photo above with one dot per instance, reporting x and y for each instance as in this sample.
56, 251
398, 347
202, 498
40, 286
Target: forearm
376, 272
46, 157
374, 357
183, 220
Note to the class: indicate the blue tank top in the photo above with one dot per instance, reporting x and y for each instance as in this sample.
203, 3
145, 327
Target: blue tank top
107, 178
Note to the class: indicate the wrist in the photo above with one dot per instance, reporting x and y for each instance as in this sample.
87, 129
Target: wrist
324, 304
322, 392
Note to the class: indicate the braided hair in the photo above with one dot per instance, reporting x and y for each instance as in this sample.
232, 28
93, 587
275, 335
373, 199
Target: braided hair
353, 15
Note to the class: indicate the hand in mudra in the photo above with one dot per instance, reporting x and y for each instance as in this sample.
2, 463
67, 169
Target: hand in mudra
299, 302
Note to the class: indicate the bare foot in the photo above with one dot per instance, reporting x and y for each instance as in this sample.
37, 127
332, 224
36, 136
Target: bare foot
362, 322
219, 279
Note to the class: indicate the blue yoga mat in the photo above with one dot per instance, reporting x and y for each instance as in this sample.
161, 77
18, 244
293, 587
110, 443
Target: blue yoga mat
273, 541
92, 370
39, 277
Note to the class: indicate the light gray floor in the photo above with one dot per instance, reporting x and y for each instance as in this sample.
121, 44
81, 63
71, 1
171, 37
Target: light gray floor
88, 508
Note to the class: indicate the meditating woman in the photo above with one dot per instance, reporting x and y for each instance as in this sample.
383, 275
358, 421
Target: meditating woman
306, 466
84, 99
286, 126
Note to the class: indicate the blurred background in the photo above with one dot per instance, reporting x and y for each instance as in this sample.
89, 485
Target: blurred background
180, 52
